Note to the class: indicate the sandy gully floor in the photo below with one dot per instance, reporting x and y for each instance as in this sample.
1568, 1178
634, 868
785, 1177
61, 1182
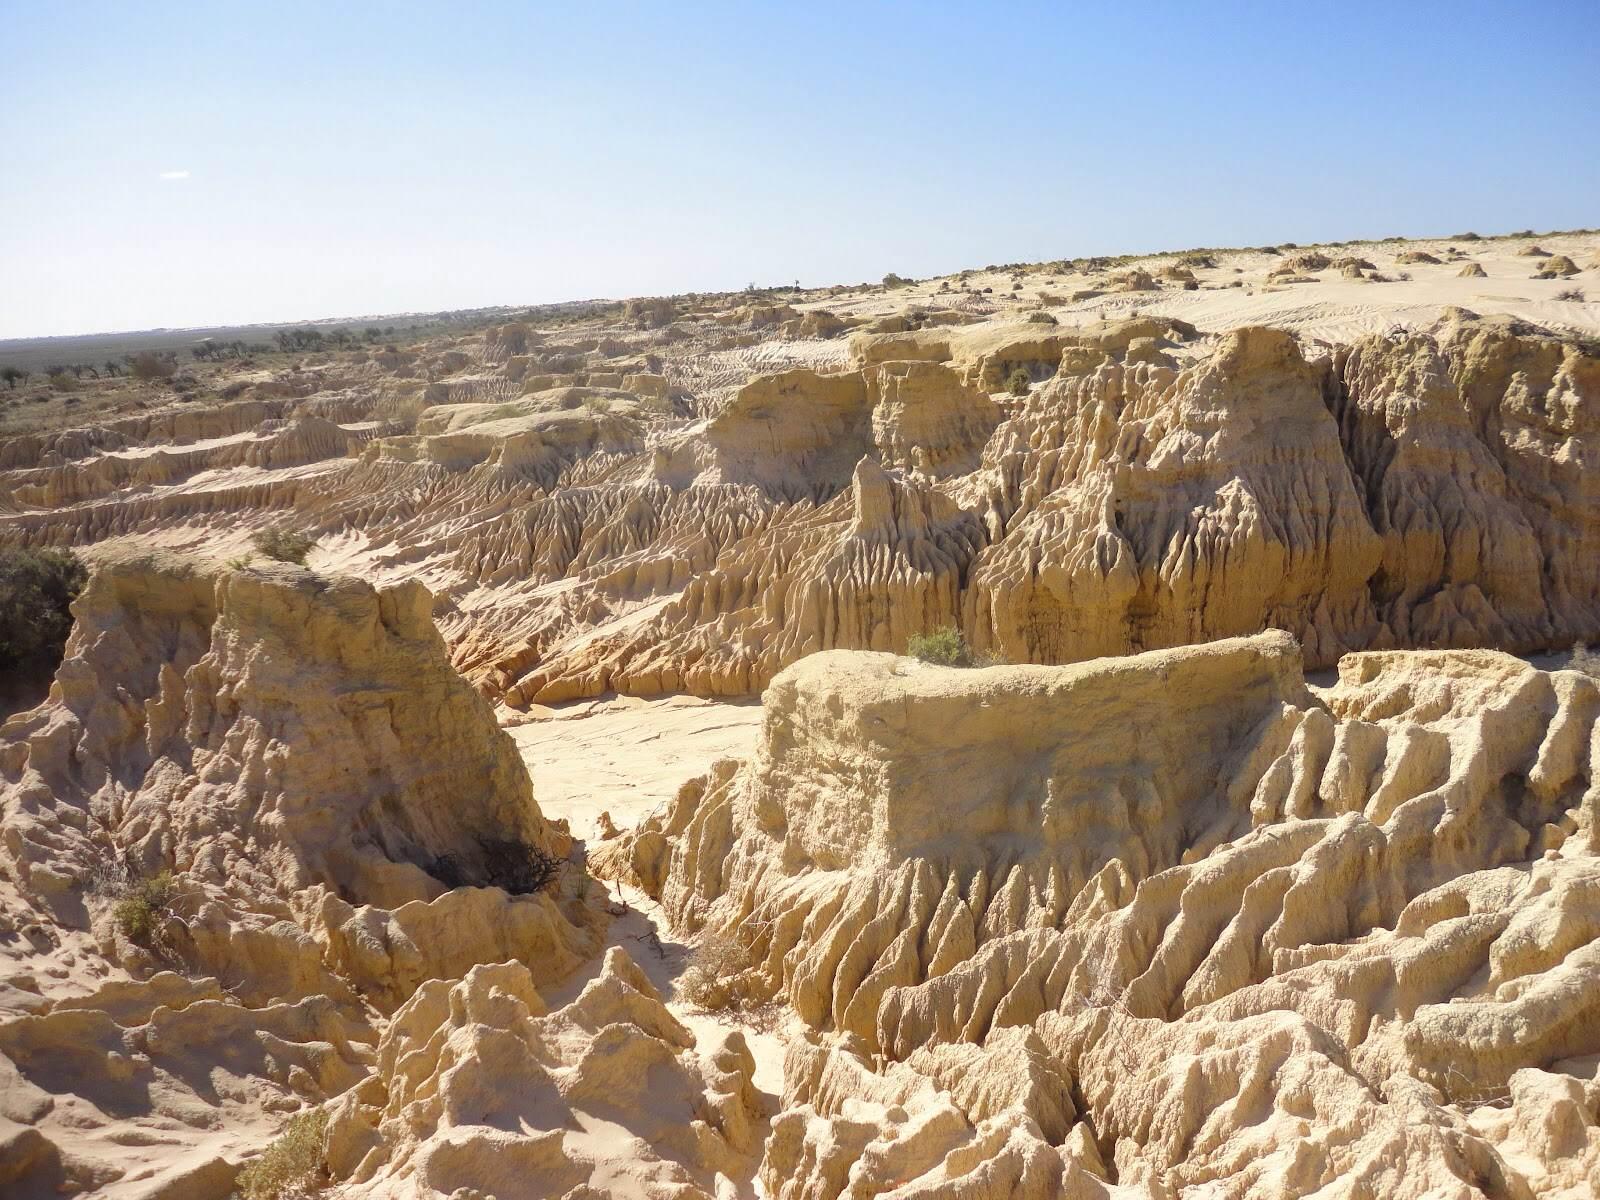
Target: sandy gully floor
625, 755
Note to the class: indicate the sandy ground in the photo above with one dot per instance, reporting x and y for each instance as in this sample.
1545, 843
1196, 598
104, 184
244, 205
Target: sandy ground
624, 754
1331, 309
642, 931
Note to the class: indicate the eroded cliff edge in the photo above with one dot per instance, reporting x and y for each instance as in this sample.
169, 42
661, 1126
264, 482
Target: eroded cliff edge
257, 811
1176, 923
1164, 923
650, 531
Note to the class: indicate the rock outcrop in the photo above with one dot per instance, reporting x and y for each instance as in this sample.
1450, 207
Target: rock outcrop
1157, 525
1276, 940
258, 809
1131, 502
1178, 923
617, 509
480, 1089
1557, 267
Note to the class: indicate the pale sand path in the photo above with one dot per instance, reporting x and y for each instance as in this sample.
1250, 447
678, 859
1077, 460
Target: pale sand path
624, 754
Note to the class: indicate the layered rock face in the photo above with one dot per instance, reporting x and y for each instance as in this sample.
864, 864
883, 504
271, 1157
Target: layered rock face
671, 523
308, 811
1362, 500
1165, 923
1477, 460
1182, 506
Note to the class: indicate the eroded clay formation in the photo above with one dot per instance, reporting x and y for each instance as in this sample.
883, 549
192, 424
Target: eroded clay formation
1163, 922
340, 819
653, 509
1145, 914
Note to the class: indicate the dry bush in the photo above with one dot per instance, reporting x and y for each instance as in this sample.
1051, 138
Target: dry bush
293, 1165
1018, 383
284, 544
520, 868
145, 902
1575, 294
945, 647
714, 977
147, 366
1585, 659
515, 867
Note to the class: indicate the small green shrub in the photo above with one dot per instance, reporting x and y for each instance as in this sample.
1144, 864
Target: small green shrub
142, 906
292, 1163
37, 588
1018, 383
285, 545
946, 647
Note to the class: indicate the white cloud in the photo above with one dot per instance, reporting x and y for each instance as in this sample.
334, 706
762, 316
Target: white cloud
173, 175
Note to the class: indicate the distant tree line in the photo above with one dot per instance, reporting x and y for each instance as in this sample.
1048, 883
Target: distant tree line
214, 351
312, 338
143, 365
163, 364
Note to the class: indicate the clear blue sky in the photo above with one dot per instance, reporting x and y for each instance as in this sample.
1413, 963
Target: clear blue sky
167, 164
